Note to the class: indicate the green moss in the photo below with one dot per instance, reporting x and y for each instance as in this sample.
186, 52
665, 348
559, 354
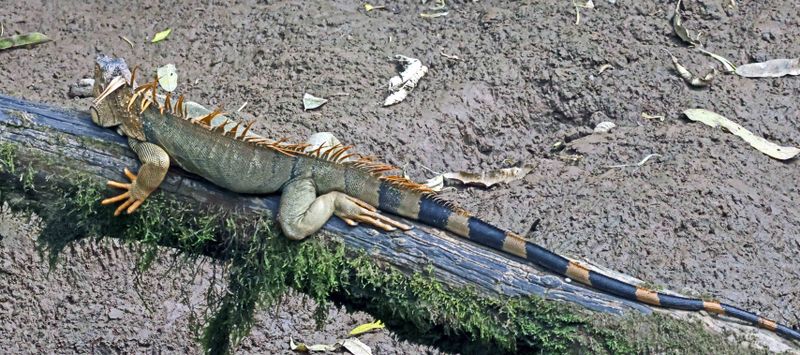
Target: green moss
262, 266
8, 154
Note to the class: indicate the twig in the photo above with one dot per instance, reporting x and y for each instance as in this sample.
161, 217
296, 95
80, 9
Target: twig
127, 40
242, 107
2, 29
637, 164
449, 56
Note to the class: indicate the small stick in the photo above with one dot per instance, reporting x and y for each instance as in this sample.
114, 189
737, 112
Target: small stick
127, 40
242, 107
2, 29
637, 164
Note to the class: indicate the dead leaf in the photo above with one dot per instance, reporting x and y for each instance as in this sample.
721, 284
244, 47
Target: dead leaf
167, 77
690, 78
27, 39
715, 120
127, 41
433, 15
302, 347
726, 64
361, 329
486, 179
680, 31
355, 346
370, 7
311, 102
603, 68
435, 183
770, 69
161, 35
604, 127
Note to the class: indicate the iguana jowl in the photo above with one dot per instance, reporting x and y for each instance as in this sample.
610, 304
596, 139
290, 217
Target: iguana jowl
314, 185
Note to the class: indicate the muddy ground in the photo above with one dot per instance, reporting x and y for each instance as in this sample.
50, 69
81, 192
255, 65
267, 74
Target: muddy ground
711, 216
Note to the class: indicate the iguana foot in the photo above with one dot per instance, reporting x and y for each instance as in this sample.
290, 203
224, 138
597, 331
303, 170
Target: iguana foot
354, 211
132, 200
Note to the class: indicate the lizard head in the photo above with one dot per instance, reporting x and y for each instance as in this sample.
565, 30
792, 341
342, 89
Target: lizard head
113, 88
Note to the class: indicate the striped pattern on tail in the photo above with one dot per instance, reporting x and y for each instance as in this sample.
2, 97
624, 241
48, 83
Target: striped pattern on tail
435, 213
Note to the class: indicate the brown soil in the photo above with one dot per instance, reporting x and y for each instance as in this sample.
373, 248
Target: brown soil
711, 216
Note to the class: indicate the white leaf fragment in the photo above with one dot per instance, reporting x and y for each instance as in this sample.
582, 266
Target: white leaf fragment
604, 127
715, 120
355, 346
401, 85
311, 102
483, 179
770, 69
168, 77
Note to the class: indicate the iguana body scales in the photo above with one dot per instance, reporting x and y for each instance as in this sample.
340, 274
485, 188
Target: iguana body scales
317, 184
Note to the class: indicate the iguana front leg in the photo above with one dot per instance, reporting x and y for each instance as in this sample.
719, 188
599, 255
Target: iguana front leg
155, 163
302, 212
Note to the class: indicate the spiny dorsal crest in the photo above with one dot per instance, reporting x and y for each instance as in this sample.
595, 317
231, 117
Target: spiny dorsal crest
147, 95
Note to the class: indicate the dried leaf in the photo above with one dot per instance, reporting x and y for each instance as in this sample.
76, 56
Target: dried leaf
436, 183
487, 179
690, 78
770, 69
161, 35
401, 85
715, 120
127, 41
168, 77
361, 329
27, 39
370, 7
677, 26
726, 64
355, 346
433, 15
311, 102
302, 347
604, 127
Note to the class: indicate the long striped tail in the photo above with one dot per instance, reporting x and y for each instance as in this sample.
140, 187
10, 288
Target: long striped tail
436, 214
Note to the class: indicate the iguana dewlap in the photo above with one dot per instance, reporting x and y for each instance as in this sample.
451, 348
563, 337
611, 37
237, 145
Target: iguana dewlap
314, 185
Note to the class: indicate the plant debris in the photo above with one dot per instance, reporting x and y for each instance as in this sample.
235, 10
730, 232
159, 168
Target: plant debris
715, 120
311, 102
680, 31
302, 347
449, 56
770, 69
401, 85
355, 346
603, 68
161, 35
484, 179
127, 41
370, 7
588, 4
167, 77
82, 88
433, 14
640, 163
361, 329
648, 116
28, 39
604, 127
690, 78
727, 66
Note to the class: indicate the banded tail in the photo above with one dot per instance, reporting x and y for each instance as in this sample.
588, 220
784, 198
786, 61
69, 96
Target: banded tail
436, 213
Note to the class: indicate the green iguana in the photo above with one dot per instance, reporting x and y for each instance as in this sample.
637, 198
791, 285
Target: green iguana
314, 184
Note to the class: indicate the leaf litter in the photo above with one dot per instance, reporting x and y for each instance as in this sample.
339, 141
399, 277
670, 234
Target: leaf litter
770, 69
680, 31
483, 179
28, 39
690, 78
715, 120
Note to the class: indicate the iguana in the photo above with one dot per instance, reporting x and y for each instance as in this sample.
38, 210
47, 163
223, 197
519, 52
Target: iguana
314, 185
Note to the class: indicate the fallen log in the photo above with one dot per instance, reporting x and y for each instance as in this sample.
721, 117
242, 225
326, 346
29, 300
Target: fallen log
56, 140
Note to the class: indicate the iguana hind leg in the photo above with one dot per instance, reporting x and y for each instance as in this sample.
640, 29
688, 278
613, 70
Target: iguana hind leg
155, 163
302, 212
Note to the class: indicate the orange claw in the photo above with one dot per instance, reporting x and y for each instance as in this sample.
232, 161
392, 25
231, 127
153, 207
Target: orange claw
130, 203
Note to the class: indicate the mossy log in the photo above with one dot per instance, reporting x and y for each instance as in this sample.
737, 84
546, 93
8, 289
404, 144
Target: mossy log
55, 141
